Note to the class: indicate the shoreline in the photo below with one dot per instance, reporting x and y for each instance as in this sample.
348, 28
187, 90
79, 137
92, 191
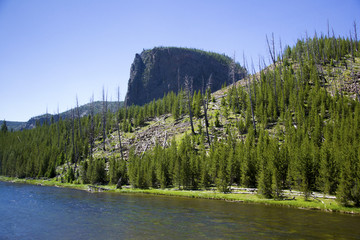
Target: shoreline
326, 205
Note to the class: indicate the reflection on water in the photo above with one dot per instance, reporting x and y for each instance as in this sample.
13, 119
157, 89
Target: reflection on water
35, 212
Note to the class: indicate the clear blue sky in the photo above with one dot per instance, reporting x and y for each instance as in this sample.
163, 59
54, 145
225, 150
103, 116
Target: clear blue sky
51, 51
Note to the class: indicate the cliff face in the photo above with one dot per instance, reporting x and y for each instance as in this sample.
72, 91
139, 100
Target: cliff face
161, 70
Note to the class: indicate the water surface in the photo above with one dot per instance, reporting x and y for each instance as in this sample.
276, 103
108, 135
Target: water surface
36, 212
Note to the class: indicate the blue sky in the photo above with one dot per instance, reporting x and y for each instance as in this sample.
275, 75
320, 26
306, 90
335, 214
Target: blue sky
53, 51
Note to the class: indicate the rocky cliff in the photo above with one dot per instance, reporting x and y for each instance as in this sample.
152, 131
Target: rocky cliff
160, 70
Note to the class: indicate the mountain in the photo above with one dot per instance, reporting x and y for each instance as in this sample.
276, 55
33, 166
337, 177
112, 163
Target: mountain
292, 126
161, 70
84, 110
15, 126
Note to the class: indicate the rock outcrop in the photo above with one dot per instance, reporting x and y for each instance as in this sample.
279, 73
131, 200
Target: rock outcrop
161, 70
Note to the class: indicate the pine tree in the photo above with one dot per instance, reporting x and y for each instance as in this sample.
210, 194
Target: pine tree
175, 109
197, 104
265, 172
189, 91
223, 174
4, 127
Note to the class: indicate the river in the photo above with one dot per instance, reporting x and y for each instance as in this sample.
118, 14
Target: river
36, 212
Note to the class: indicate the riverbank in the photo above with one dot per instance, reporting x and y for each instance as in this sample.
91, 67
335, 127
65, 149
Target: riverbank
329, 205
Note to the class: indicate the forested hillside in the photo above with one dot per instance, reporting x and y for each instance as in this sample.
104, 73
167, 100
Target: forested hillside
292, 125
82, 111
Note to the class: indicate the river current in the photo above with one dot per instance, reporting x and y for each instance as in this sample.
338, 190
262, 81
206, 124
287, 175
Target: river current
37, 212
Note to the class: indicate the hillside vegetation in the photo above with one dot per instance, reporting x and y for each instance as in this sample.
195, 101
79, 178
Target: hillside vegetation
82, 111
292, 126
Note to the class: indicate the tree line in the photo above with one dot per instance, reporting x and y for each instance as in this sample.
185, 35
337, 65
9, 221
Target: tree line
286, 127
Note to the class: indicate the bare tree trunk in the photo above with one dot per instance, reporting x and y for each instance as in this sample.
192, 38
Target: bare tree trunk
328, 28
254, 82
58, 127
334, 45
251, 103
118, 123
273, 58
67, 140
318, 57
73, 135
281, 77
78, 116
352, 48
104, 111
260, 70
232, 78
233, 66
91, 135
356, 39
189, 90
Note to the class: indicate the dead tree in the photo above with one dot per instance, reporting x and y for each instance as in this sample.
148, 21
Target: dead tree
251, 102
58, 127
118, 123
92, 130
328, 28
78, 116
334, 45
189, 92
261, 69
104, 111
281, 75
234, 88
356, 39
254, 80
352, 48
74, 155
272, 53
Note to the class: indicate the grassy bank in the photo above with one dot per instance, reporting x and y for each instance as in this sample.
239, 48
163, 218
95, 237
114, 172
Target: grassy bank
329, 205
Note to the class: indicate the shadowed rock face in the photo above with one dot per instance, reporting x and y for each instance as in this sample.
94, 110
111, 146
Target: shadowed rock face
158, 71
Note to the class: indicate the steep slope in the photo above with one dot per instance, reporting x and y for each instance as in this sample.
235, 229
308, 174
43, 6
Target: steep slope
161, 70
279, 129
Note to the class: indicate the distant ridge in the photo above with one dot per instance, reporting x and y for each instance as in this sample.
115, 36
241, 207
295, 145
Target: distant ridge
84, 111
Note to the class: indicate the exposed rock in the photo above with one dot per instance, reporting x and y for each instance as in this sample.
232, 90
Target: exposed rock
161, 70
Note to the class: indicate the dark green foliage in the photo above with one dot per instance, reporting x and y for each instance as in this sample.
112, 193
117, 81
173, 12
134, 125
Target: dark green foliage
217, 120
306, 138
266, 163
98, 174
197, 104
70, 175
4, 127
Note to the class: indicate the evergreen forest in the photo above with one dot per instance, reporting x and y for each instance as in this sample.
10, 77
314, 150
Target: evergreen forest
294, 124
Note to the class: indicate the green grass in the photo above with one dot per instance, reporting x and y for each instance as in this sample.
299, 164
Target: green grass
49, 182
329, 205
